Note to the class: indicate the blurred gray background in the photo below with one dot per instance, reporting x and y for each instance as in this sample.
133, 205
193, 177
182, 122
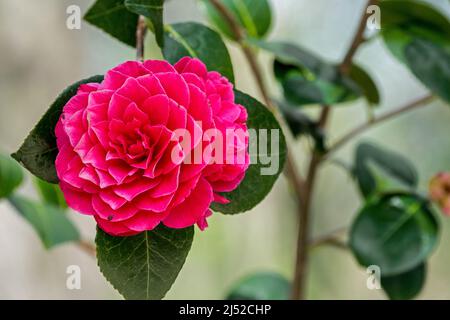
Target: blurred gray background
40, 56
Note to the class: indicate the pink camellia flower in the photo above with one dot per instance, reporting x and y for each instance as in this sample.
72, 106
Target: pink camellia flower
440, 191
117, 140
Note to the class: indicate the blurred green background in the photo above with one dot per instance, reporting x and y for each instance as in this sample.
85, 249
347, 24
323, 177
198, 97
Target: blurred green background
40, 56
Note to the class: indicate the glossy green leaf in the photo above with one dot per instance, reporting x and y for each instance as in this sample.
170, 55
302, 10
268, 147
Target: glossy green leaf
431, 64
153, 10
301, 89
11, 175
301, 124
261, 286
307, 79
365, 83
291, 54
50, 222
414, 13
38, 151
146, 265
396, 166
197, 41
419, 36
113, 18
257, 182
254, 16
406, 285
396, 232
50, 193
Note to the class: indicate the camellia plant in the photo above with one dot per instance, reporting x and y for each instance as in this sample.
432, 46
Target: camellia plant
153, 147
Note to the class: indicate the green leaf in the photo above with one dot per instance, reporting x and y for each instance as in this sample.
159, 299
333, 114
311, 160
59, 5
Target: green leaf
366, 84
406, 285
197, 41
419, 36
50, 193
113, 17
431, 64
255, 186
404, 13
290, 54
369, 157
146, 265
261, 286
50, 222
153, 10
11, 176
301, 124
38, 152
306, 79
302, 87
255, 16
396, 232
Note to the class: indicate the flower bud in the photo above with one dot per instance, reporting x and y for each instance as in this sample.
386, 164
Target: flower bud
440, 191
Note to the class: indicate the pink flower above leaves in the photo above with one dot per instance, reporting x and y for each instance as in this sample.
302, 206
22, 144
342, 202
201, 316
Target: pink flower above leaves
128, 146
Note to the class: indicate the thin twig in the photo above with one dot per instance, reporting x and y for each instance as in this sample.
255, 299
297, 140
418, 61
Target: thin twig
357, 40
301, 262
238, 32
332, 241
141, 30
87, 247
332, 238
421, 102
248, 52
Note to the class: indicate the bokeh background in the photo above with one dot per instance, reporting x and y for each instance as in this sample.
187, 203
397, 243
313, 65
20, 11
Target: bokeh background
39, 57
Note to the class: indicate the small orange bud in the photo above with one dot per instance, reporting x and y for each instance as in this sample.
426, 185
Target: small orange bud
440, 191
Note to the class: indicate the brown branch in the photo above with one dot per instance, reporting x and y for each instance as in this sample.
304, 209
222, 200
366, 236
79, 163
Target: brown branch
357, 40
234, 25
303, 189
387, 116
331, 238
293, 174
141, 30
248, 52
301, 262
332, 241
87, 247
